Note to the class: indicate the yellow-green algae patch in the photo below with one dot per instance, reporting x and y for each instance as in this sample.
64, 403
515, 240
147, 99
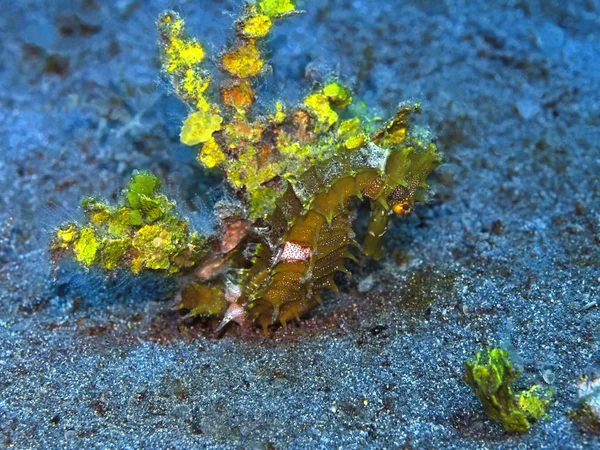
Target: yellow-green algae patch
199, 127
274, 8
491, 375
86, 246
142, 232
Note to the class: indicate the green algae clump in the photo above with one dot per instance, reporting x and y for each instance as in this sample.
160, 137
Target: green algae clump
491, 376
141, 232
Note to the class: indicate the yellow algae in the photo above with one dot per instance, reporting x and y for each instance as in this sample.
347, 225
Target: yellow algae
153, 244
96, 211
199, 127
262, 201
354, 142
274, 8
182, 54
171, 25
99, 216
395, 136
319, 105
119, 223
337, 94
194, 84
86, 247
211, 154
244, 60
142, 183
350, 127
154, 208
112, 252
66, 235
191, 88
350, 131
491, 375
257, 26
289, 147
191, 53
534, 401
109, 242
279, 115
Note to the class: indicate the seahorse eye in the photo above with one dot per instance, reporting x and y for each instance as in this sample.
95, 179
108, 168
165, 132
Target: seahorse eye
402, 208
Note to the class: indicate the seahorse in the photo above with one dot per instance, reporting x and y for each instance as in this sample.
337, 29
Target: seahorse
287, 281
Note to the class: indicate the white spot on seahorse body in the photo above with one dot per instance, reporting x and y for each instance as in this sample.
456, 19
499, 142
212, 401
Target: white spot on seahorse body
292, 251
